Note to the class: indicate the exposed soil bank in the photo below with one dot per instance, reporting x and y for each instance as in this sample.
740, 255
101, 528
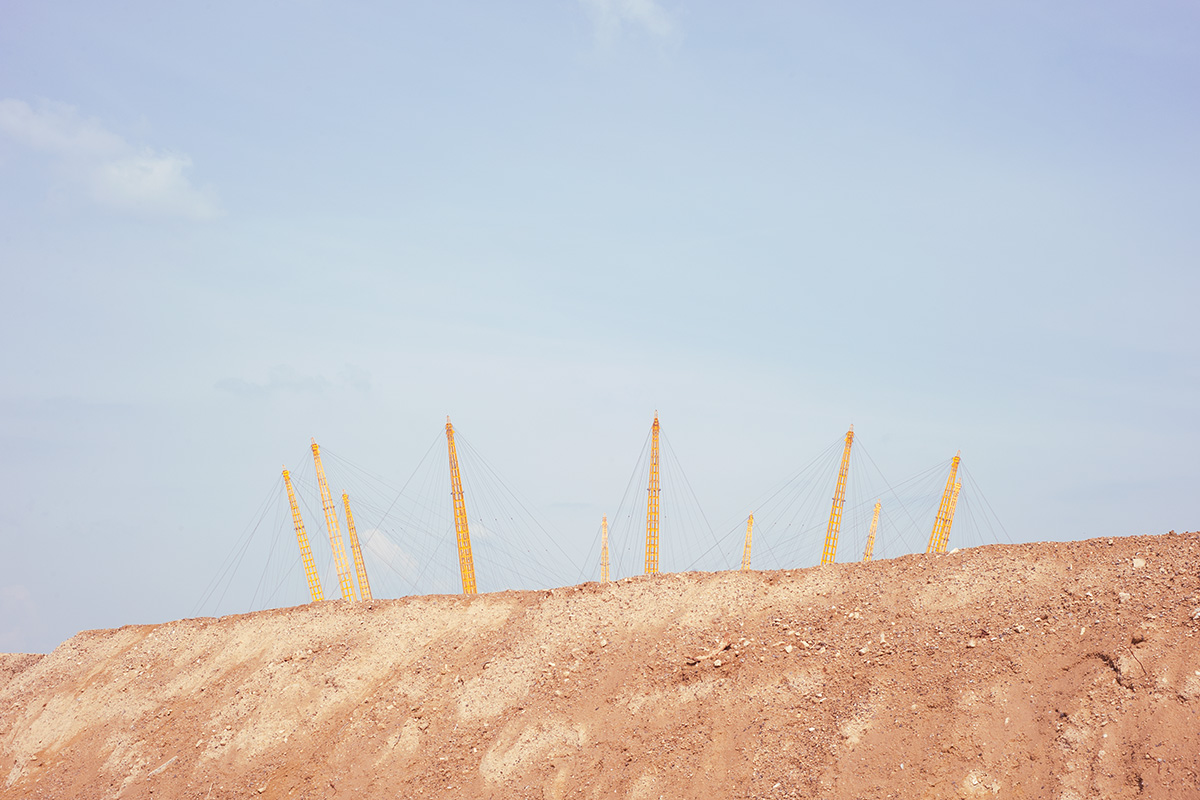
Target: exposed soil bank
1048, 670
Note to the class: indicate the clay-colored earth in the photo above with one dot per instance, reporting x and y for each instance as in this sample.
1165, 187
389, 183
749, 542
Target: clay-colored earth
1027, 671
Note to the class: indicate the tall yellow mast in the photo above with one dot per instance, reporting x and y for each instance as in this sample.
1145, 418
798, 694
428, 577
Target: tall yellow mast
941, 525
652, 503
360, 566
871, 534
466, 562
746, 548
335, 530
310, 567
839, 501
604, 549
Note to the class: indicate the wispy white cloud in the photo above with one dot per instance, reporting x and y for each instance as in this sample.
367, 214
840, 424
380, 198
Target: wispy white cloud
284, 378
104, 168
610, 16
377, 543
356, 377
281, 378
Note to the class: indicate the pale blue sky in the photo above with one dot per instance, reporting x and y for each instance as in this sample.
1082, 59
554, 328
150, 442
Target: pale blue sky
228, 227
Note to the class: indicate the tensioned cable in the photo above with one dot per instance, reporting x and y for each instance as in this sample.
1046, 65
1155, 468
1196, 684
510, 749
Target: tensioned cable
975, 485
518, 497
687, 483
233, 560
622, 515
894, 493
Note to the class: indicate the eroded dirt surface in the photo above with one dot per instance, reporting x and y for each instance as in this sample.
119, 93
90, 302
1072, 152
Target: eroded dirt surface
1028, 671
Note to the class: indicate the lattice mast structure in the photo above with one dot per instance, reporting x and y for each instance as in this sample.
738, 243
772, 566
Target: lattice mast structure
360, 566
746, 547
310, 566
945, 515
652, 503
829, 553
466, 562
950, 516
604, 549
335, 529
870, 548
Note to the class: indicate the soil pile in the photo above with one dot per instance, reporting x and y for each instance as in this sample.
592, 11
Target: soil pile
1048, 670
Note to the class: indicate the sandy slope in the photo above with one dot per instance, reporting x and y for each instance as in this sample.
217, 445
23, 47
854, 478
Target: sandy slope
1049, 670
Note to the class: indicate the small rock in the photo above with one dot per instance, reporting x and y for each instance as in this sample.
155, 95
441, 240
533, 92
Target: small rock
1138, 638
862, 651
604, 642
970, 643
1196, 613
789, 648
717, 663
1123, 597
1138, 563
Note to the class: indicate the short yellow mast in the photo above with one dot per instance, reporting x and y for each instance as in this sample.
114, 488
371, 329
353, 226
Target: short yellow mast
652, 503
466, 562
839, 502
335, 530
941, 525
871, 534
360, 566
310, 567
604, 549
746, 548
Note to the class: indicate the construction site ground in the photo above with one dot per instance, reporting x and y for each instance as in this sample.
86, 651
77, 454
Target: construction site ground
1065, 670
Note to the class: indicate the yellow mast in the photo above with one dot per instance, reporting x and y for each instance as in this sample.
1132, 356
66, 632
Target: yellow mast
839, 501
466, 562
652, 503
950, 517
871, 534
604, 549
360, 566
335, 530
310, 567
746, 549
941, 525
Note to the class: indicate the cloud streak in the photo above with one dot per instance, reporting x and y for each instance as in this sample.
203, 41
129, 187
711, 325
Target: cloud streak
281, 379
611, 16
286, 379
103, 168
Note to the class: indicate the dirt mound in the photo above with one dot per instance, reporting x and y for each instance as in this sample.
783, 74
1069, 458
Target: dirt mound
1049, 670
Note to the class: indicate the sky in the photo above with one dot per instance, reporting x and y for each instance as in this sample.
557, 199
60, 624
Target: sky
228, 228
